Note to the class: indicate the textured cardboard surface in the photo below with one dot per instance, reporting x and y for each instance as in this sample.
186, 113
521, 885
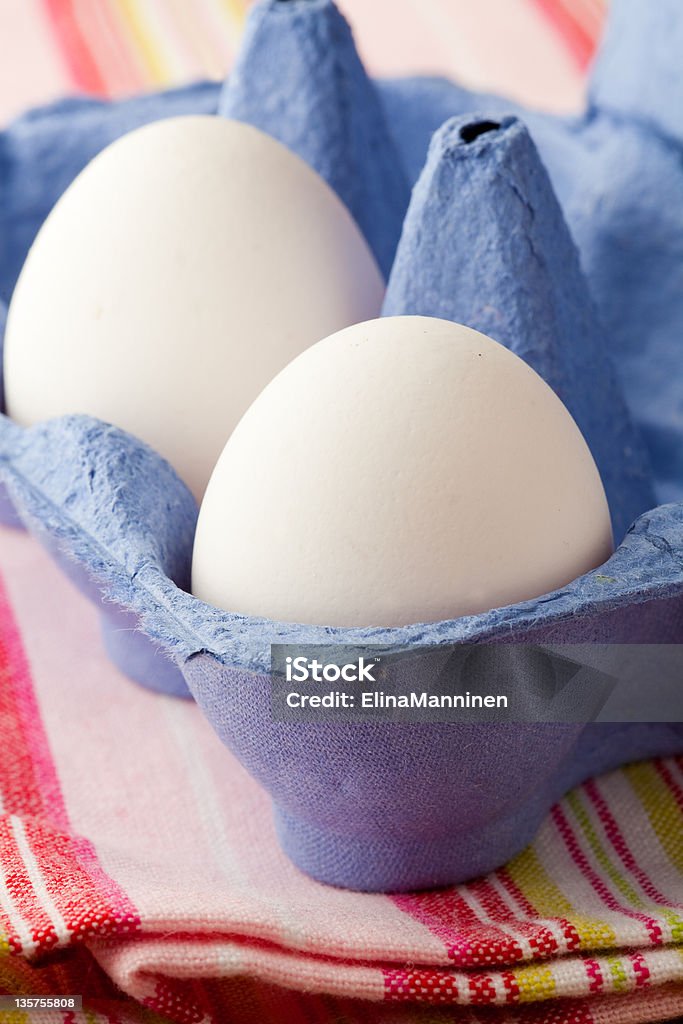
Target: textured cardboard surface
484, 243
330, 113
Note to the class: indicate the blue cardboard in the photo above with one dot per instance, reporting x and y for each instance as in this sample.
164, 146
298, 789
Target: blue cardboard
329, 112
373, 806
3, 321
387, 806
637, 74
8, 515
485, 244
617, 173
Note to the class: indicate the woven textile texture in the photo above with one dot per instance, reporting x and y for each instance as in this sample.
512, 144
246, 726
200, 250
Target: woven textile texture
137, 855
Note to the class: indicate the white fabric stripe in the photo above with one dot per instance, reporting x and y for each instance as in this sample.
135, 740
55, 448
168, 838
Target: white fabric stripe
204, 791
227, 25
634, 932
630, 880
499, 987
198, 43
565, 874
638, 833
37, 880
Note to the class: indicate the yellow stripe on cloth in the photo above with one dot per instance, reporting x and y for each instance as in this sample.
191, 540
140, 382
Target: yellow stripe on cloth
530, 876
528, 873
575, 802
661, 808
621, 981
534, 983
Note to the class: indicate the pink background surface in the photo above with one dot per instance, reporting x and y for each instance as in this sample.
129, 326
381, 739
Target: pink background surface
500, 45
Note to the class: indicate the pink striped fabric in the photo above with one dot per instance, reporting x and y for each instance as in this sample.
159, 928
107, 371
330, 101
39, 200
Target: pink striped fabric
138, 857
534, 50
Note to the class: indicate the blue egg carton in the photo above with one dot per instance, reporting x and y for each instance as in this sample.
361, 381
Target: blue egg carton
560, 238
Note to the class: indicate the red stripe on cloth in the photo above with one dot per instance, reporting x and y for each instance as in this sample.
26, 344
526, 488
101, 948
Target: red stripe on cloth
82, 65
469, 941
515, 892
599, 887
118, 65
511, 987
482, 990
640, 969
88, 901
569, 930
596, 981
420, 986
580, 41
29, 929
473, 941
26, 768
88, 907
621, 847
540, 938
666, 776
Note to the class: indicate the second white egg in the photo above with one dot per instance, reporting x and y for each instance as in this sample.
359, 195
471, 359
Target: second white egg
403, 470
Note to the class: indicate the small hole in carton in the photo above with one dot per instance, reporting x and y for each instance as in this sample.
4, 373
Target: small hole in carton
470, 132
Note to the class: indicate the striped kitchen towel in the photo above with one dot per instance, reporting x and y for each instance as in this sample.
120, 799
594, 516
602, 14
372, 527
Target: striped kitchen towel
138, 858
535, 50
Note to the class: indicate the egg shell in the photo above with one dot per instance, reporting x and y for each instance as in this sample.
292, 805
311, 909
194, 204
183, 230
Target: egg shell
183, 268
403, 470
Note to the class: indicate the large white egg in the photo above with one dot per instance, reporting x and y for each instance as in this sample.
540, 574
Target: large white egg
182, 269
403, 470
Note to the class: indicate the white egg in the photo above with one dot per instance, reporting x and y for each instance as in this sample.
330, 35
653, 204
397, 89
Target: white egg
403, 470
182, 269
